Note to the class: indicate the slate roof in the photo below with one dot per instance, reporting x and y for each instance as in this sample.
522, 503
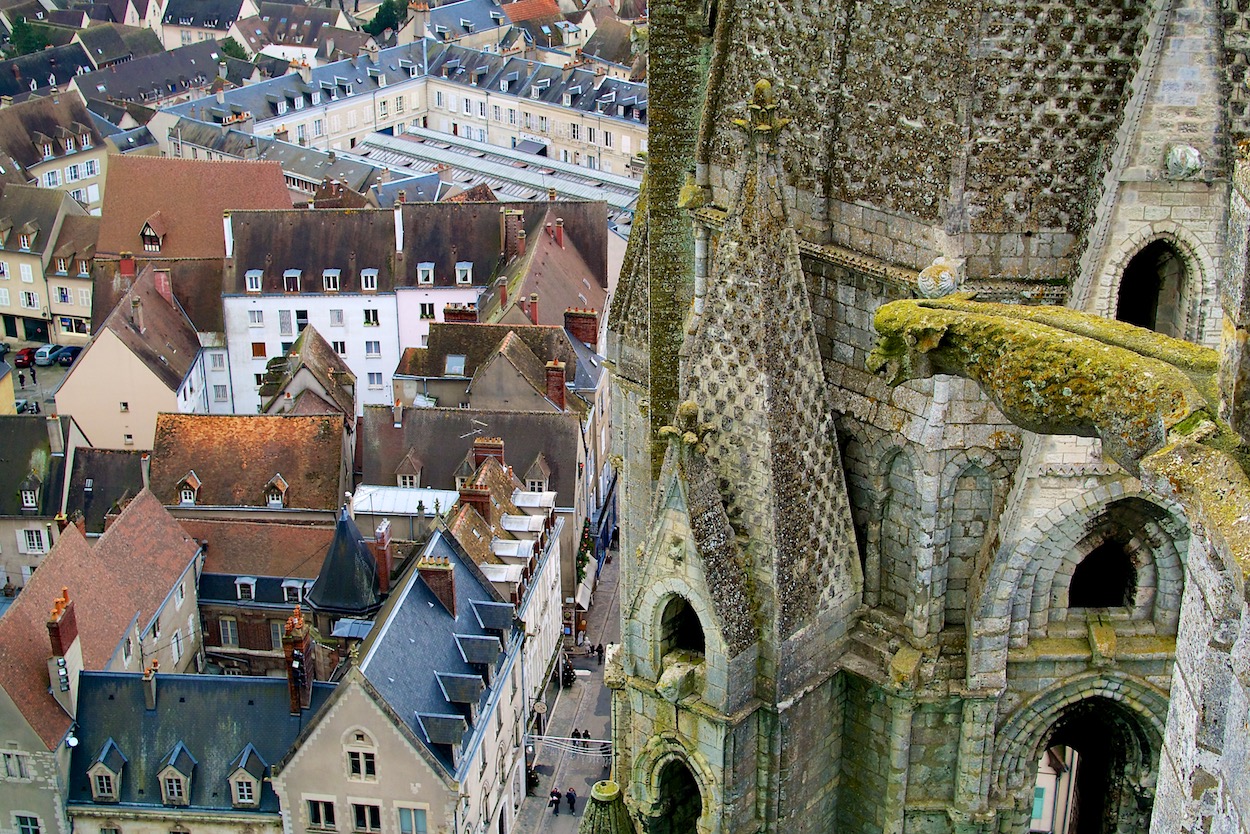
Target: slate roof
448, 20
167, 343
477, 343
217, 719
61, 63
202, 14
417, 639
443, 436
337, 44
347, 584
98, 479
312, 353
152, 78
286, 25
422, 188
191, 196
196, 287
31, 207
51, 116
25, 449
261, 548
77, 238
115, 112
236, 456
610, 42
112, 42
108, 601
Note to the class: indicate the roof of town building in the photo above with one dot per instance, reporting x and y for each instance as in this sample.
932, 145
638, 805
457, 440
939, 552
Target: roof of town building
235, 458
261, 548
203, 14
98, 479
115, 584
191, 196
312, 353
28, 461
26, 127
110, 43
153, 78
55, 65
154, 329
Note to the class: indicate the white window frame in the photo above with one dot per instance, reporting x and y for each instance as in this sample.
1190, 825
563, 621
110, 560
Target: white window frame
369, 280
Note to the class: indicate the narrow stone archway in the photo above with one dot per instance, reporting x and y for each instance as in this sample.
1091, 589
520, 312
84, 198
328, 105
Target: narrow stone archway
680, 803
1152, 290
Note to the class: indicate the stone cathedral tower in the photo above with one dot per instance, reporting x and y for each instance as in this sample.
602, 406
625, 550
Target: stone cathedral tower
857, 606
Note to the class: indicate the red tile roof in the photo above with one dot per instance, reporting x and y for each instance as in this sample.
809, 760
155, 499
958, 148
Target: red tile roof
236, 456
127, 575
261, 548
190, 195
530, 9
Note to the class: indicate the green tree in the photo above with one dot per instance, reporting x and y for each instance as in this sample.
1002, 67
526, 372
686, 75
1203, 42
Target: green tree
390, 15
26, 38
233, 49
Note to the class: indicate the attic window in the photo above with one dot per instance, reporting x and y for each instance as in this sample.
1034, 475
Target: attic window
464, 272
536, 486
151, 240
369, 280
174, 789
290, 280
102, 788
23, 241
29, 499
253, 280
425, 273
330, 280
84, 267
292, 590
186, 495
246, 587
274, 500
84, 141
62, 265
47, 150
454, 365
244, 792
69, 144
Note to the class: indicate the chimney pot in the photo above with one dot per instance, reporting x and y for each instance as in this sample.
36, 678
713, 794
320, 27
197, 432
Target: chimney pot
149, 685
560, 232
555, 383
534, 308
440, 577
583, 325
62, 625
381, 547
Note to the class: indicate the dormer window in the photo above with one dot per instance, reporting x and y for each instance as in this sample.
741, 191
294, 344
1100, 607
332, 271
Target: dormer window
316, 97
464, 272
23, 241
293, 590
253, 277
47, 150
102, 788
290, 280
189, 489
299, 103
273, 499
281, 106
30, 499
175, 775
85, 140
186, 495
330, 280
69, 144
369, 280
174, 790
151, 240
246, 587
535, 486
62, 265
425, 273
84, 267
275, 492
244, 792
105, 773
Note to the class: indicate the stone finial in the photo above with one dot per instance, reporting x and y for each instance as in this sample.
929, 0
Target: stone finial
1183, 162
606, 813
687, 427
938, 279
762, 119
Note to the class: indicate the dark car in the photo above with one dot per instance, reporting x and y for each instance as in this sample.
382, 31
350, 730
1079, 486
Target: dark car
24, 358
66, 355
4, 349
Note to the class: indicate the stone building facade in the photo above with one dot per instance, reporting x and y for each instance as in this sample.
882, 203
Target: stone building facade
861, 607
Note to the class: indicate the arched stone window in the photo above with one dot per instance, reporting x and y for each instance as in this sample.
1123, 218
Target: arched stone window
680, 801
1152, 290
680, 628
1105, 578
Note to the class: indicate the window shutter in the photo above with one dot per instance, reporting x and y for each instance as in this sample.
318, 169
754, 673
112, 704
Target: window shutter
21, 541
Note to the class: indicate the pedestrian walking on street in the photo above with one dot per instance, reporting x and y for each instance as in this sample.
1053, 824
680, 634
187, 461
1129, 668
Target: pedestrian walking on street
555, 801
21, 379
599, 652
571, 796
34, 380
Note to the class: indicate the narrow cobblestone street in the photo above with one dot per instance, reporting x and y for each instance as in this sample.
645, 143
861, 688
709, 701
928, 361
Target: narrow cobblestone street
586, 707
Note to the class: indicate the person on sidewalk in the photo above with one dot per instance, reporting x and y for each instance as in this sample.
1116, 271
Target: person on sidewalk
599, 652
555, 801
571, 796
21, 379
34, 378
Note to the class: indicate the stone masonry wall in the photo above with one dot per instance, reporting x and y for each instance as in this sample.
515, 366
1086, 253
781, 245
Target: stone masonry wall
865, 759
810, 758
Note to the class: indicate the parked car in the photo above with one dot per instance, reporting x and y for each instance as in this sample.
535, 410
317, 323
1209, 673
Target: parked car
24, 358
66, 355
21, 406
4, 349
46, 355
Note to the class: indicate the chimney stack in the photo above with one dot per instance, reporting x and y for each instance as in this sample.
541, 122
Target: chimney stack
127, 265
560, 232
582, 323
503, 293
80, 521
555, 383
145, 468
297, 650
164, 285
397, 414
520, 243
478, 499
62, 625
56, 440
381, 548
440, 577
136, 312
551, 195
534, 307
485, 448
149, 685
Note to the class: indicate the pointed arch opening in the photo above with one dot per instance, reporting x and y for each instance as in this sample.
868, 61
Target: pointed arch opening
1096, 757
1152, 288
680, 803
680, 628
1105, 578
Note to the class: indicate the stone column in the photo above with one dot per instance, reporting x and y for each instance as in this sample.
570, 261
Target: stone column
902, 708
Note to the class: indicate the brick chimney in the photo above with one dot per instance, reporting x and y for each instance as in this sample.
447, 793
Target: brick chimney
555, 383
149, 685
381, 549
583, 325
460, 314
62, 625
127, 265
440, 577
164, 285
485, 448
503, 293
478, 499
534, 307
136, 312
560, 232
297, 651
